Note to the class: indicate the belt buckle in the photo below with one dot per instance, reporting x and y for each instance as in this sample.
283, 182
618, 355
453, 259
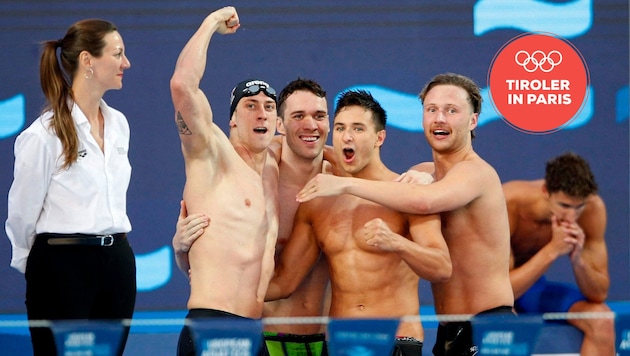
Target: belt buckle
107, 240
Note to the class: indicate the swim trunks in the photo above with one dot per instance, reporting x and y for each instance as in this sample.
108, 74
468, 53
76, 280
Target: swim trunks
407, 346
281, 344
547, 297
456, 338
185, 344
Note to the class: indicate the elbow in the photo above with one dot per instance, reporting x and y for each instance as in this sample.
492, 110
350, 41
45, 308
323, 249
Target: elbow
276, 293
444, 273
420, 207
180, 86
441, 273
177, 85
598, 296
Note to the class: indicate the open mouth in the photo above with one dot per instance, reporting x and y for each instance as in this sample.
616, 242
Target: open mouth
348, 154
440, 132
261, 130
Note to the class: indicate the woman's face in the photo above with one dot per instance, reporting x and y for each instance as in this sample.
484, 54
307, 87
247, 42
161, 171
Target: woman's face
109, 67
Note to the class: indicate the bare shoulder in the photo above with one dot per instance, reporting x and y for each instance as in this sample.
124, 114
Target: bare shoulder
475, 172
428, 167
518, 189
275, 148
595, 202
594, 213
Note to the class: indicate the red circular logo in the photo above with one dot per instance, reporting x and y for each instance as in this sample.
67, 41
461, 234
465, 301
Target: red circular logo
538, 83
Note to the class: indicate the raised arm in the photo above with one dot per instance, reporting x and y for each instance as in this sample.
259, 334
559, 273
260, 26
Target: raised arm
193, 114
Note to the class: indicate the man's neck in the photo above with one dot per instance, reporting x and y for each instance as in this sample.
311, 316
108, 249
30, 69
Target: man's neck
445, 161
255, 161
376, 171
298, 170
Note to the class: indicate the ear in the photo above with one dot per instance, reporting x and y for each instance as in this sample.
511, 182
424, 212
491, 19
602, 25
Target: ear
380, 138
474, 120
280, 127
545, 191
85, 59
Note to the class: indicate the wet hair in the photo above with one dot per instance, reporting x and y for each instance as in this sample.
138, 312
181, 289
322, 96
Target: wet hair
570, 174
365, 100
57, 72
458, 80
298, 84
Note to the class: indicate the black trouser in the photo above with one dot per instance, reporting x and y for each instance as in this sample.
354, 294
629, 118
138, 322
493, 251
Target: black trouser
78, 282
186, 344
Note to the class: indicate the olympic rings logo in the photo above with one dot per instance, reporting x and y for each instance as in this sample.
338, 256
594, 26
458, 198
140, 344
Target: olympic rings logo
538, 60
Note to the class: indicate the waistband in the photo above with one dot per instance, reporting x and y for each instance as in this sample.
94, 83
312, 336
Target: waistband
104, 240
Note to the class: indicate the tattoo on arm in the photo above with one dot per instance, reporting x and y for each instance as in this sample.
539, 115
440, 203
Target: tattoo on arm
181, 125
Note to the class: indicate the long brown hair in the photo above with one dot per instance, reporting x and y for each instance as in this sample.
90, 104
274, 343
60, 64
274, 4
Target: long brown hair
56, 78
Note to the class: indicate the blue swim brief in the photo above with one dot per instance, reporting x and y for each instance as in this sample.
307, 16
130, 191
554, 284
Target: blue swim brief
548, 297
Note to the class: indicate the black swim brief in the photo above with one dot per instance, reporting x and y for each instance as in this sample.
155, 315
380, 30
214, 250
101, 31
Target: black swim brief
185, 344
407, 346
456, 338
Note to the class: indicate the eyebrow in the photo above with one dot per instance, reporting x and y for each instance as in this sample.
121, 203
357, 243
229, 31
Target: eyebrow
350, 124
302, 111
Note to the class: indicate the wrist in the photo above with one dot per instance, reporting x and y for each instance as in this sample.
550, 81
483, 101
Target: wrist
550, 253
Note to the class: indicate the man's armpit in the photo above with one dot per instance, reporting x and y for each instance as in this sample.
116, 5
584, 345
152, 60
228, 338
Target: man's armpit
181, 125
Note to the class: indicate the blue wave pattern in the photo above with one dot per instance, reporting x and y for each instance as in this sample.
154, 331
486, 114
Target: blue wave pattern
404, 110
12, 115
534, 15
153, 269
622, 104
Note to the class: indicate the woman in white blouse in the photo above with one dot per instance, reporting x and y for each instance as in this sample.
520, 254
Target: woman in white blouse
67, 219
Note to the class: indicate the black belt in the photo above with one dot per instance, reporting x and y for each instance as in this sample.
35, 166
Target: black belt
83, 239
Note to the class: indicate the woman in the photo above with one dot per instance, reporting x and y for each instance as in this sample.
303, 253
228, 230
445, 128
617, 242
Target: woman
67, 218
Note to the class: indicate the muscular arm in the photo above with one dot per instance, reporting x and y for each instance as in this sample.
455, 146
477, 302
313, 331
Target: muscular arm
590, 264
297, 258
193, 114
463, 183
427, 253
523, 276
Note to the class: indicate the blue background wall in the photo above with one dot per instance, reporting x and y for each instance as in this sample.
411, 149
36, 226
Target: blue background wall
391, 48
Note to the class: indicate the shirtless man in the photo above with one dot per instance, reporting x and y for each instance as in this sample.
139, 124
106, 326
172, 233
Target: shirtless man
304, 128
467, 193
375, 254
233, 180
562, 215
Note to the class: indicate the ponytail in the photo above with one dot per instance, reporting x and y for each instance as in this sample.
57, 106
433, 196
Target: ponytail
56, 73
58, 90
